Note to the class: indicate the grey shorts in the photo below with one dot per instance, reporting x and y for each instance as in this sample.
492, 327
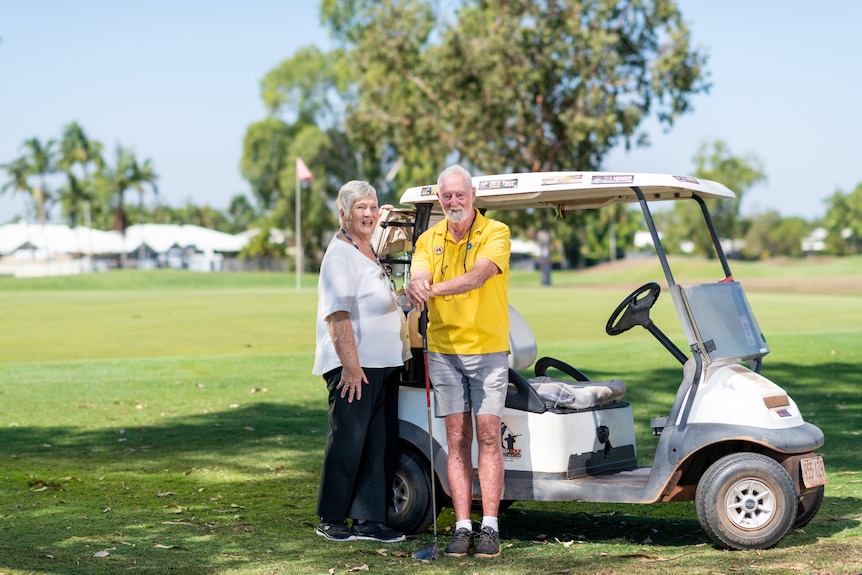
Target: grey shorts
469, 382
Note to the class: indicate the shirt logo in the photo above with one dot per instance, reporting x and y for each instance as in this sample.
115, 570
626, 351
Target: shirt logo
438, 250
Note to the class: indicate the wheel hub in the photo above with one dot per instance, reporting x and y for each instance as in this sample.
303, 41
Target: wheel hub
750, 504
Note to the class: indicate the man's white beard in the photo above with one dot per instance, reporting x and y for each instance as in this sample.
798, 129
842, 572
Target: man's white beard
457, 216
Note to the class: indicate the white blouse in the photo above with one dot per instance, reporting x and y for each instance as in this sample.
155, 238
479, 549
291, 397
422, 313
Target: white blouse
351, 282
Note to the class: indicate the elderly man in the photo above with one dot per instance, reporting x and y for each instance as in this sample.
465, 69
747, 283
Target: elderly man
460, 271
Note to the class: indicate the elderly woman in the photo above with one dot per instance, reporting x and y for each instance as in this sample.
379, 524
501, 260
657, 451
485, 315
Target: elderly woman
362, 344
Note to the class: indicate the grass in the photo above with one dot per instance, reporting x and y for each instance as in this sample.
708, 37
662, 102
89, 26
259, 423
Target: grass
166, 422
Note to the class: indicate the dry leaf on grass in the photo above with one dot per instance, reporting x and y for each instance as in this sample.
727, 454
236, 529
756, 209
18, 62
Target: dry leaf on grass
38, 485
174, 508
363, 567
641, 556
101, 554
160, 546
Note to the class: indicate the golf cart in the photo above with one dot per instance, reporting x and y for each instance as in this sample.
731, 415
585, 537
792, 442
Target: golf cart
733, 441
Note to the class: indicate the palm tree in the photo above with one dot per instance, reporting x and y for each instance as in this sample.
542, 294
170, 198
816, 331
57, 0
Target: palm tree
41, 162
76, 149
127, 174
17, 171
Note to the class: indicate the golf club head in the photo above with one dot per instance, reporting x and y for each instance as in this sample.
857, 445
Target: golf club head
428, 553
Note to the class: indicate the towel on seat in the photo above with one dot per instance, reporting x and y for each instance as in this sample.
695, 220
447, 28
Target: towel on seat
578, 394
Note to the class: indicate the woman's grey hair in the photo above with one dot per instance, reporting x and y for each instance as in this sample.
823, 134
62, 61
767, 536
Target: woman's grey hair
455, 169
352, 191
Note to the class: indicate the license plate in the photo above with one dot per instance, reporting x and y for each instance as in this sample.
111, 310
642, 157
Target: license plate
813, 472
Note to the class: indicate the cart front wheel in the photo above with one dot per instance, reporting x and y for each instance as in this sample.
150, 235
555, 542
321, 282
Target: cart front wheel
746, 501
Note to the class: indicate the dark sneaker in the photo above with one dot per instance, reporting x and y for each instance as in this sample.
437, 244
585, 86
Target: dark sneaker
335, 531
461, 544
375, 531
489, 543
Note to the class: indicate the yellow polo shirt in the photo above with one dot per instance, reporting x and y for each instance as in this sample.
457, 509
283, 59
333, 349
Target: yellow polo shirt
477, 321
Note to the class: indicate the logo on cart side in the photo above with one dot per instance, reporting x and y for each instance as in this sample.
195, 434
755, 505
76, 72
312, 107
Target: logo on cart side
507, 441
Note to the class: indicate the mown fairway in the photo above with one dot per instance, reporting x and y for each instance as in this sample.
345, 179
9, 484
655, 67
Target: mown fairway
166, 422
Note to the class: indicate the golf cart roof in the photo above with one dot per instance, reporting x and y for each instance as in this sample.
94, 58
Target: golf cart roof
575, 190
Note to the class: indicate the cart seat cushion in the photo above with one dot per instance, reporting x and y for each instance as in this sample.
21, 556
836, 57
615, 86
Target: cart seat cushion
578, 394
522, 342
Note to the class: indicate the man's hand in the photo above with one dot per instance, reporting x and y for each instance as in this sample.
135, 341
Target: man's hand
418, 291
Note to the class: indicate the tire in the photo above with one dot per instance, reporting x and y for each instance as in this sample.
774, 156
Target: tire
809, 505
410, 510
746, 501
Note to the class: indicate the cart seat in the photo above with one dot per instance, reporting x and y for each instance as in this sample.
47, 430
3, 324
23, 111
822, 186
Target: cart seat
580, 393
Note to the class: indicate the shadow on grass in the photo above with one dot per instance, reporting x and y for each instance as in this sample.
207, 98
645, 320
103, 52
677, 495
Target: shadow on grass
659, 524
199, 494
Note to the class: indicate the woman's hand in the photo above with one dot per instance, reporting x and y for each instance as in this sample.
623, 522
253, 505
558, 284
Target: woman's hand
351, 385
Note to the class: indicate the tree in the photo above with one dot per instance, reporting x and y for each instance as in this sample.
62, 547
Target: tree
264, 157
17, 171
263, 248
713, 161
771, 235
305, 96
240, 214
77, 150
523, 85
126, 174
844, 221
607, 231
39, 162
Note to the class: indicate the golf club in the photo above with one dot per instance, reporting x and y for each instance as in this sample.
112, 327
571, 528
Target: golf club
429, 552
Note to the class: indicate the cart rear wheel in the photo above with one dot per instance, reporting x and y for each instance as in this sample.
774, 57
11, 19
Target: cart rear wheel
746, 501
410, 509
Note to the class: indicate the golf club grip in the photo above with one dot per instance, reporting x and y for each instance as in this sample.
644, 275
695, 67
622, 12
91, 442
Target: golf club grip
423, 328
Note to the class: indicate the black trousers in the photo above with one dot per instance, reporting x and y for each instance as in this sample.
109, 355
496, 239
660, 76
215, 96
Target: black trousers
361, 448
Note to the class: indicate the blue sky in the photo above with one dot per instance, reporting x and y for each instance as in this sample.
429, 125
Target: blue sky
178, 82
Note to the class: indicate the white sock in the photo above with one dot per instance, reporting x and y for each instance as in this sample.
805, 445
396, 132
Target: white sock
464, 524
491, 522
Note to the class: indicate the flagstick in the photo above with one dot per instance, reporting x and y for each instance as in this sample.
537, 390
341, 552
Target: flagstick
297, 241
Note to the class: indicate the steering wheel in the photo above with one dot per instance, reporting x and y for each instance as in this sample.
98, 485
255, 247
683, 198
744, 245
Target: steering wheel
633, 311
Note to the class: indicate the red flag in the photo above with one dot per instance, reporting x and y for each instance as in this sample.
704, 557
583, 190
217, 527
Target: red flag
302, 171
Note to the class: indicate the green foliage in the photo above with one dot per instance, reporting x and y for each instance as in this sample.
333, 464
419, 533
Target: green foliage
684, 225
769, 235
264, 247
844, 222
113, 181
264, 157
512, 86
29, 172
79, 156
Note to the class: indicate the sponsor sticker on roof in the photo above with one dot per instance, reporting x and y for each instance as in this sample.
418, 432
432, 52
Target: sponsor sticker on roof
613, 179
502, 184
567, 179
